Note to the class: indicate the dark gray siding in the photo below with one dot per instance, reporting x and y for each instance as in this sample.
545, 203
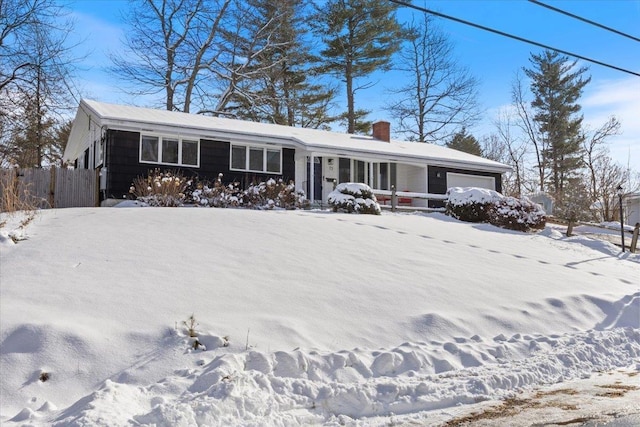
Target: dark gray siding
122, 154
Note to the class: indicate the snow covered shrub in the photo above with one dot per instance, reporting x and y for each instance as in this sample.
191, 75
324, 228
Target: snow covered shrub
275, 194
217, 194
160, 188
481, 205
470, 204
517, 214
261, 195
354, 197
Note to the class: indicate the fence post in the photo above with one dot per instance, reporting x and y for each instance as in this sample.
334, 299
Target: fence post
634, 239
394, 198
52, 188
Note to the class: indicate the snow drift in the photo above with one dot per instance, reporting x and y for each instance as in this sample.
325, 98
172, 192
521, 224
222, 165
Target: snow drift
305, 317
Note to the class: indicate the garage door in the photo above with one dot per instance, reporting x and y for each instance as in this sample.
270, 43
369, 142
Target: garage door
463, 180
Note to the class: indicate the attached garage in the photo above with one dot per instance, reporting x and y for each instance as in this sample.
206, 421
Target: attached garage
469, 180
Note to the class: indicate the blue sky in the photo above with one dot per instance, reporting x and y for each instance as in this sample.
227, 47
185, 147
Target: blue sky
493, 59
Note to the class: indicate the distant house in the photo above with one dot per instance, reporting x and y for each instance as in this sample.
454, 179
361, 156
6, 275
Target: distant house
632, 208
125, 142
543, 200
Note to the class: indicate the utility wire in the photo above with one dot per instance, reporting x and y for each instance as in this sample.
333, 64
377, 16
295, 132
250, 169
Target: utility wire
613, 30
501, 33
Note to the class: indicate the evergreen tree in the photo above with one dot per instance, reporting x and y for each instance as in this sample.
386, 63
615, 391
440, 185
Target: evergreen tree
360, 37
462, 141
278, 87
34, 137
557, 84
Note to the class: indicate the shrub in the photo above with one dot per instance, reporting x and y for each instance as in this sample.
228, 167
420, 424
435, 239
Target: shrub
275, 194
15, 196
160, 189
217, 194
354, 197
191, 324
271, 194
470, 204
517, 214
480, 205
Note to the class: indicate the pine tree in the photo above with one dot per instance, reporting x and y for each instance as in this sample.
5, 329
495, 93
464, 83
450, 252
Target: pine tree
360, 36
557, 84
462, 141
34, 137
277, 88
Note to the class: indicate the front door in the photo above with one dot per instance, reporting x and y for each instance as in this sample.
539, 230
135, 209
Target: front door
330, 176
317, 178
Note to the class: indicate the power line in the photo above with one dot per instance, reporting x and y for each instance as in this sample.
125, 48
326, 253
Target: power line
511, 36
613, 30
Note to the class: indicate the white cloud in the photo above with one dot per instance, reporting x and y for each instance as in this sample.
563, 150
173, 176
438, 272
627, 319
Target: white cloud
619, 98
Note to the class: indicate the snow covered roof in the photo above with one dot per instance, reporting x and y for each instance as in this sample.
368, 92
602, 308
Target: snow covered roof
319, 142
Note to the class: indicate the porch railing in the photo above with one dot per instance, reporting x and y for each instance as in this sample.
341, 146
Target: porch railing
403, 200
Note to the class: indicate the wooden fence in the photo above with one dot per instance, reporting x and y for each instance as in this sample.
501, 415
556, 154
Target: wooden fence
403, 200
627, 239
48, 188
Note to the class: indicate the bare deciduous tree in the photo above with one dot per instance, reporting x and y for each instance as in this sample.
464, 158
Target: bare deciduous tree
603, 174
36, 97
503, 146
528, 127
440, 96
593, 144
246, 39
17, 20
169, 44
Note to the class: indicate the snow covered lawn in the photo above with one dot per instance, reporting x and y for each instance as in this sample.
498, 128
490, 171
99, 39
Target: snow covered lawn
304, 317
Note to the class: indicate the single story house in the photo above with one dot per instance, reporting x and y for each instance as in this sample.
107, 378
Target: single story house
125, 142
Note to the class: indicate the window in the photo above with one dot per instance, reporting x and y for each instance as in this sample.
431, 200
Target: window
169, 150
256, 159
149, 149
344, 170
273, 161
189, 152
383, 175
360, 171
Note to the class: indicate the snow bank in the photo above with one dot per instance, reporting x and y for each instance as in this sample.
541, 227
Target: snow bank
330, 319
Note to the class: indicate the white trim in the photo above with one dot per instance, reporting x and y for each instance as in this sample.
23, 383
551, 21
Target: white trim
248, 148
180, 140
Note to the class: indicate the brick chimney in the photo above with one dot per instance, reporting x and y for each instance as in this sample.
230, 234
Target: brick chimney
382, 131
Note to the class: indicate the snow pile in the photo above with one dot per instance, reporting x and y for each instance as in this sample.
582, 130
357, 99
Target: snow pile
303, 317
460, 196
